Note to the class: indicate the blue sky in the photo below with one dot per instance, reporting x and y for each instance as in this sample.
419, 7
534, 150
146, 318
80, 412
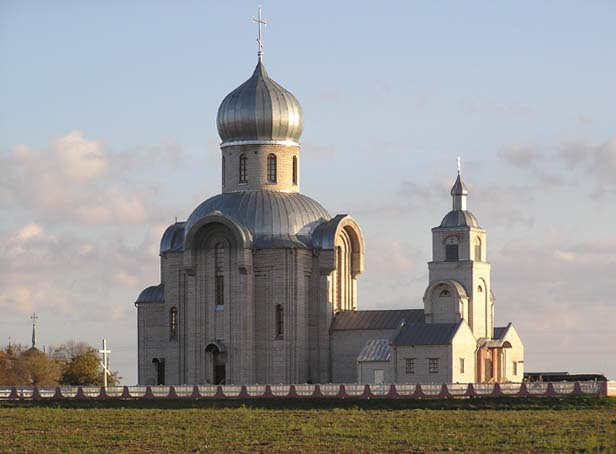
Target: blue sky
392, 92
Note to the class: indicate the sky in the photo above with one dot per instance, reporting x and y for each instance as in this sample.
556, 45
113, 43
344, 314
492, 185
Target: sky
108, 132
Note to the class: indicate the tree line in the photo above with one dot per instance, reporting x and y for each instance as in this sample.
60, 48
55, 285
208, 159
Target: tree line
73, 363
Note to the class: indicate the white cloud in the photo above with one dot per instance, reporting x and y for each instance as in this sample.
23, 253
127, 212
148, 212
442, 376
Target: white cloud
78, 180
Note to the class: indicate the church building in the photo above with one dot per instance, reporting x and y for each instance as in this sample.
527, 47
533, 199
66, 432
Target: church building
258, 285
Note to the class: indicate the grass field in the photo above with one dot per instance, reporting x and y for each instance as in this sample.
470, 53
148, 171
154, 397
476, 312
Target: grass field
376, 426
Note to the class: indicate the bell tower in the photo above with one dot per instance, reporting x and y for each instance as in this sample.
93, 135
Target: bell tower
459, 273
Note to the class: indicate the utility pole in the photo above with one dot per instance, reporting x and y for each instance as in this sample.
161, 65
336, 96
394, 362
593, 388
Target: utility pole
105, 362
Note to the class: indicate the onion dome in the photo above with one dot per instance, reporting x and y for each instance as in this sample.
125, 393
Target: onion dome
260, 111
274, 218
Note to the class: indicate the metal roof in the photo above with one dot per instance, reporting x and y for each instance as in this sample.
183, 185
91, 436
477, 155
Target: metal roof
384, 319
173, 238
375, 350
152, 294
500, 331
425, 334
459, 218
274, 218
260, 110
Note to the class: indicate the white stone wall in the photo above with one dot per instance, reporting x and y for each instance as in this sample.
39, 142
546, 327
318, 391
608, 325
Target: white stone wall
346, 346
473, 275
515, 353
422, 353
365, 371
463, 346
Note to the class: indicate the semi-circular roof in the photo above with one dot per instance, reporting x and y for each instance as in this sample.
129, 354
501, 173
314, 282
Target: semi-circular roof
152, 294
173, 238
275, 219
260, 110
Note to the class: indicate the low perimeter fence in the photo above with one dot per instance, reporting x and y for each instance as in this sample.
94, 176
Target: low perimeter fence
339, 391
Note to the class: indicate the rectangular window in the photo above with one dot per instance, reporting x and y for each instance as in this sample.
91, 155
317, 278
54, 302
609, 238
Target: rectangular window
279, 321
461, 365
220, 290
515, 368
451, 252
433, 365
409, 365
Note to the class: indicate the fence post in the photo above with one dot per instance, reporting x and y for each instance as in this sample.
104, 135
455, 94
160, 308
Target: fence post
393, 392
195, 393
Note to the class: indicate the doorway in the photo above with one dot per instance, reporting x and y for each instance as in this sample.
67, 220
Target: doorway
379, 376
218, 362
159, 364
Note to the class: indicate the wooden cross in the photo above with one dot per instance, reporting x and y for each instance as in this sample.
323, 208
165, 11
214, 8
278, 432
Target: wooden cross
260, 21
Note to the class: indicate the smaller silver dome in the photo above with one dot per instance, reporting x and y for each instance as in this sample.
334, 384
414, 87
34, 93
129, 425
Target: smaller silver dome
459, 218
260, 110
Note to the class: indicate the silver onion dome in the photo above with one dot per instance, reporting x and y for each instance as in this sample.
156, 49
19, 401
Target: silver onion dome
260, 111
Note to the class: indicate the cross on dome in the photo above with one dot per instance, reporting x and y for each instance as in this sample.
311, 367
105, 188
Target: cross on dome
260, 22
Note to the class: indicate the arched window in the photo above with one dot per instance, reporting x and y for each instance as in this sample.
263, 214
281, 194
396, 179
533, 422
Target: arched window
294, 169
243, 163
219, 277
279, 321
477, 249
223, 170
479, 289
451, 249
444, 293
271, 168
173, 323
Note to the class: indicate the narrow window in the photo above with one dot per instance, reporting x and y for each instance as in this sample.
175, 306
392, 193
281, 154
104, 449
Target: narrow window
451, 249
294, 169
479, 289
461, 365
339, 278
478, 249
243, 163
279, 321
271, 168
219, 277
223, 170
515, 368
433, 365
173, 323
409, 365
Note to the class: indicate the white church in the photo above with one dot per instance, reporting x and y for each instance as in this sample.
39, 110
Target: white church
258, 285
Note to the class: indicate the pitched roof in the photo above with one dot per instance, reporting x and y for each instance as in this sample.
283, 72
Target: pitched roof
384, 319
425, 334
500, 331
375, 350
